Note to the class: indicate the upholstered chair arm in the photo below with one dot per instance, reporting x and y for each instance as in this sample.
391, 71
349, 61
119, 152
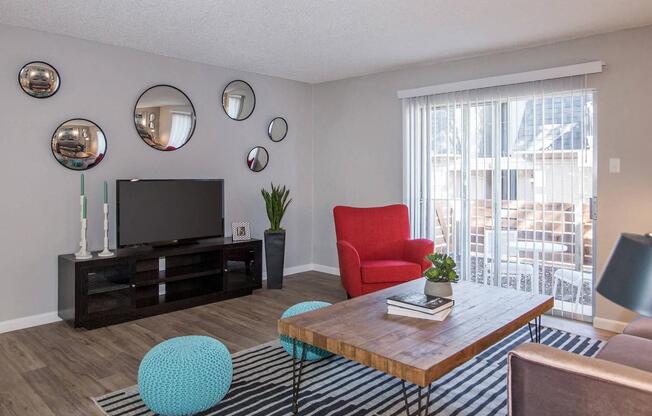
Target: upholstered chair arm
544, 380
350, 275
415, 251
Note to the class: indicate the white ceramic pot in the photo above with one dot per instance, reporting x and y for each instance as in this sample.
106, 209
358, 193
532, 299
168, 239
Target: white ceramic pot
441, 289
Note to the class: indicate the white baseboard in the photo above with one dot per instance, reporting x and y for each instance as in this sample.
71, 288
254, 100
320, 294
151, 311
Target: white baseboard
609, 324
28, 321
297, 269
326, 269
293, 270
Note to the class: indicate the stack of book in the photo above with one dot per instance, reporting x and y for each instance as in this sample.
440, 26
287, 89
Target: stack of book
418, 305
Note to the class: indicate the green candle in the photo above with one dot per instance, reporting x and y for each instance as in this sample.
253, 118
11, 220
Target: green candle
84, 209
106, 193
82, 184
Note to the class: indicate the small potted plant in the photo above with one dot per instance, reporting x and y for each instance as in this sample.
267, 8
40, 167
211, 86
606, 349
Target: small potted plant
440, 276
276, 202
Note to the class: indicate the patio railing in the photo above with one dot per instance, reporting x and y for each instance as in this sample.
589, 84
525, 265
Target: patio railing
565, 271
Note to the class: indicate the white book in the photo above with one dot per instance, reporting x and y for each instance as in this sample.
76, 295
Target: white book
397, 310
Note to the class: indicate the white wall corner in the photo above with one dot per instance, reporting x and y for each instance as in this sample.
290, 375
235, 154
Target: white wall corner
293, 270
28, 321
326, 269
609, 324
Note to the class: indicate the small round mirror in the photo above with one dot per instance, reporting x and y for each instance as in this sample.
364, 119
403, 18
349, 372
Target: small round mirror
39, 79
278, 129
164, 117
238, 100
79, 144
257, 159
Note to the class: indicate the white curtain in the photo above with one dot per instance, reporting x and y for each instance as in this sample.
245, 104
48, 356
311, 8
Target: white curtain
179, 129
511, 164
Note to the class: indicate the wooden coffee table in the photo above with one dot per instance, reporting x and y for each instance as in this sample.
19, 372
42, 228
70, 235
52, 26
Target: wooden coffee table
414, 350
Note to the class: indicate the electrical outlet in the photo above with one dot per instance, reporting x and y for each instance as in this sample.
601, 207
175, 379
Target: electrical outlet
614, 165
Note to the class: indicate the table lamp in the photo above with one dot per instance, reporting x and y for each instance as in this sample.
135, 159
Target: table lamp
627, 279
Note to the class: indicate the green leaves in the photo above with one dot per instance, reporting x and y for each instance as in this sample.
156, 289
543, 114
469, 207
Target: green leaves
276, 202
443, 268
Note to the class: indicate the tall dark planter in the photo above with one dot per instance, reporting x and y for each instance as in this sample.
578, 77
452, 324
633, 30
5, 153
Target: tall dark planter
275, 258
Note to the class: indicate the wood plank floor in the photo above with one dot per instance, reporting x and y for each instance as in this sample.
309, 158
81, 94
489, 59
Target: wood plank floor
54, 369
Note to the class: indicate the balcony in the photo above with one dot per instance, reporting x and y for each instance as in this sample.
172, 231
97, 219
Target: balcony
543, 248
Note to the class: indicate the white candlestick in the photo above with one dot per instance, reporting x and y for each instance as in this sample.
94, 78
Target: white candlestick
106, 252
83, 252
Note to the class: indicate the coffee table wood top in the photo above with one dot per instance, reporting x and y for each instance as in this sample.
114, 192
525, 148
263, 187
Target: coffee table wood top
417, 350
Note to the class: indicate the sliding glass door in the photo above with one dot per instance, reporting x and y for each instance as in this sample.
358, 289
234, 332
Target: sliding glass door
505, 183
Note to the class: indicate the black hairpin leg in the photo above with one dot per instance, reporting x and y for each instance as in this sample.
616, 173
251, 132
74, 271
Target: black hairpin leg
422, 405
296, 374
536, 335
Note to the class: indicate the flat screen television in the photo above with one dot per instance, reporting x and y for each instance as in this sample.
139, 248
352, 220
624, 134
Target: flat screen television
164, 211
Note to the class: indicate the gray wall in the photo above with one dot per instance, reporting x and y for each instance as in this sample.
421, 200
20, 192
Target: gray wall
39, 207
357, 145
358, 134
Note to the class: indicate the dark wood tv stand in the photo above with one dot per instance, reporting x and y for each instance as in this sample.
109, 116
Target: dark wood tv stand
107, 290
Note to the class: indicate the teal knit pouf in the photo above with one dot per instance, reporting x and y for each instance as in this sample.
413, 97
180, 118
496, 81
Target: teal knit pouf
312, 352
185, 375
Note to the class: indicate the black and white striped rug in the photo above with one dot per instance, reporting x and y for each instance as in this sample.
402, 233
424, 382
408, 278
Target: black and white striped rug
338, 387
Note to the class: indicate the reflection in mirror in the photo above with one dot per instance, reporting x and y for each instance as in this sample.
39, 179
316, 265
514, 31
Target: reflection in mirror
278, 129
39, 79
257, 159
164, 117
238, 100
79, 144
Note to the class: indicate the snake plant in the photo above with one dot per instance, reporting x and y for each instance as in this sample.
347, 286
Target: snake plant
276, 202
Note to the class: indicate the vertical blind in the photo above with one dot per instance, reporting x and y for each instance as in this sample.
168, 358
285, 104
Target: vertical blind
501, 179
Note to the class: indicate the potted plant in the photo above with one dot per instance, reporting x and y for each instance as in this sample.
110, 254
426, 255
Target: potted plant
440, 276
276, 202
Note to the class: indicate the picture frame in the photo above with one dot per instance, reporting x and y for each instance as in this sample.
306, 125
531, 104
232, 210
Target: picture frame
241, 231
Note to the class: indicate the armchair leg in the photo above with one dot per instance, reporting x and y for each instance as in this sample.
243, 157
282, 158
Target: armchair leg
348, 296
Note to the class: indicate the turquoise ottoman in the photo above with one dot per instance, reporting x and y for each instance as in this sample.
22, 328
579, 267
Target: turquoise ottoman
312, 352
185, 375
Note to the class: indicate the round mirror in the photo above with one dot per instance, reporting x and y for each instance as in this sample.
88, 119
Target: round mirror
257, 159
278, 129
39, 79
238, 100
78, 144
164, 117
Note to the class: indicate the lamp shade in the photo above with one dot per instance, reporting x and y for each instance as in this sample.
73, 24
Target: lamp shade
627, 279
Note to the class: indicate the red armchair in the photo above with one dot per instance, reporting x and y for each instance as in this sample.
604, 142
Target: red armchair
375, 250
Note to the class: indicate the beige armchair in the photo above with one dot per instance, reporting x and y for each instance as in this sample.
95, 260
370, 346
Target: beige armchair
544, 380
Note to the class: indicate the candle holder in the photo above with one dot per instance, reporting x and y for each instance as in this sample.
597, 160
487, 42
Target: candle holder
83, 252
106, 252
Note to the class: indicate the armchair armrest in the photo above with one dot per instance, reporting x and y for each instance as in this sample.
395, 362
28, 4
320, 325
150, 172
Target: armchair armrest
350, 274
548, 381
415, 251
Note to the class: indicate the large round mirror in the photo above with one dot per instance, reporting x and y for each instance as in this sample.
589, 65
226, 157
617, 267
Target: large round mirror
277, 129
257, 159
164, 117
79, 144
238, 100
39, 79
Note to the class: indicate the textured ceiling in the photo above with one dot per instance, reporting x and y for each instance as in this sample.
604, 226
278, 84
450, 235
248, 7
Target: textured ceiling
323, 40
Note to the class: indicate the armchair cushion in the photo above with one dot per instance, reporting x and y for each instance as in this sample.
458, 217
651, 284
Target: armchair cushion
385, 271
640, 327
628, 350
